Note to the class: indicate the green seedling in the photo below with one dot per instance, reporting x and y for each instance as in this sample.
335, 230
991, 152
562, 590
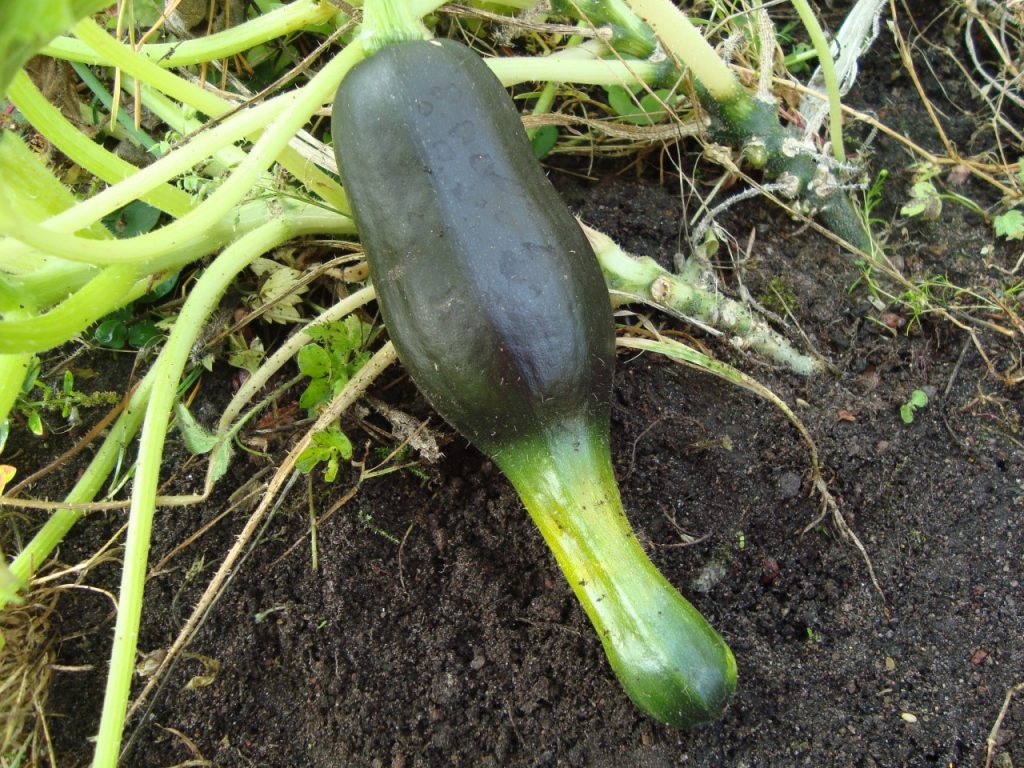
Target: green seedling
38, 398
918, 400
338, 351
926, 200
329, 448
1009, 224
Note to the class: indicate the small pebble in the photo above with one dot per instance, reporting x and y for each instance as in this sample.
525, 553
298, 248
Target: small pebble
789, 485
709, 576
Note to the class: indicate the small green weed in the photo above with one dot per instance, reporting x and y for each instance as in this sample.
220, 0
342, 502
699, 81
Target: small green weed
338, 351
918, 400
37, 398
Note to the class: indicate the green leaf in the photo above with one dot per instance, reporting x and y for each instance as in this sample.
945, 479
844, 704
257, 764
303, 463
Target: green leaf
197, 438
544, 140
317, 393
1009, 225
282, 287
309, 458
328, 447
621, 100
143, 334
314, 361
160, 290
35, 424
220, 460
26, 26
136, 218
111, 333
624, 103
31, 375
918, 398
925, 202
5, 430
336, 440
247, 357
907, 413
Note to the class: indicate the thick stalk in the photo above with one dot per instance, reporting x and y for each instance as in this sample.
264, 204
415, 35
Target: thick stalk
13, 369
113, 287
685, 42
279, 22
50, 285
167, 167
387, 22
202, 301
645, 280
123, 57
669, 660
296, 107
88, 486
513, 70
49, 121
828, 72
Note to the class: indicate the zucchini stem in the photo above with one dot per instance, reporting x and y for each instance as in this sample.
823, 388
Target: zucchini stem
386, 22
641, 278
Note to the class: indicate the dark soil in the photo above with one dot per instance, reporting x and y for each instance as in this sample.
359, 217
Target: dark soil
437, 629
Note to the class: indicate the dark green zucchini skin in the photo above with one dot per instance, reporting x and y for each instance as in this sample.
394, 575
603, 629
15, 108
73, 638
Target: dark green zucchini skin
498, 310
488, 287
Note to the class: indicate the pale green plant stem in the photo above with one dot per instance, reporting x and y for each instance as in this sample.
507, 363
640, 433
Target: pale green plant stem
46, 539
46, 286
684, 41
203, 298
12, 374
386, 22
116, 54
173, 164
182, 121
303, 222
113, 287
295, 106
119, 55
828, 72
13, 367
513, 70
53, 284
279, 22
49, 121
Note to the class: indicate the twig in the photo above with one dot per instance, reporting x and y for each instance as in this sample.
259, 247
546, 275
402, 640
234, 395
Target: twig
992, 741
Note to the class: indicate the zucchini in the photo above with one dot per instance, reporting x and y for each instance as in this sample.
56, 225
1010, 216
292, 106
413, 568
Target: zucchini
497, 307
